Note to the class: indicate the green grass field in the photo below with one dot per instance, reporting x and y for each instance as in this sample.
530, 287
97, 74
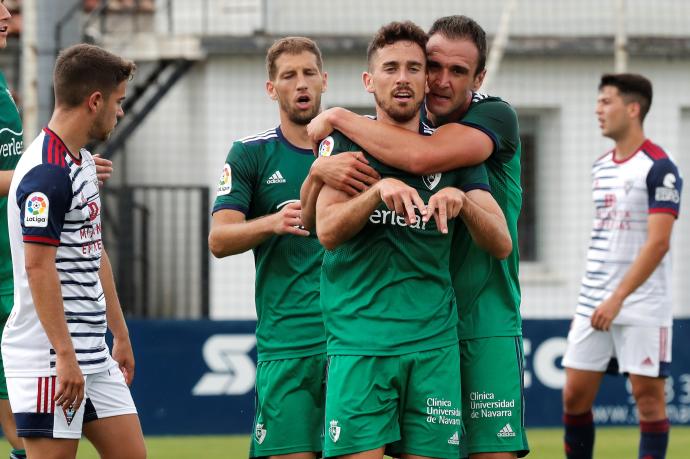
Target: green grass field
612, 443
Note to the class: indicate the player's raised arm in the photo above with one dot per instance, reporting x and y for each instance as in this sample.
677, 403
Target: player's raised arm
348, 172
339, 217
231, 233
451, 146
308, 194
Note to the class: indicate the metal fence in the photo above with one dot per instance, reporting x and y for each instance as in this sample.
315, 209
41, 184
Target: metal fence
157, 239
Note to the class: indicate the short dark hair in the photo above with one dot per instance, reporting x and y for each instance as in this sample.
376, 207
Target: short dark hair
632, 88
291, 45
459, 27
81, 70
394, 32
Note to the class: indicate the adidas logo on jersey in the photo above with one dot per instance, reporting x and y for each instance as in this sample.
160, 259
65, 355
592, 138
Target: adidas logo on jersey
506, 431
277, 177
454, 439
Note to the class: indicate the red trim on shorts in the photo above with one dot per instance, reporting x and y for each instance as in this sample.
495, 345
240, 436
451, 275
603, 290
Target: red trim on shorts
45, 395
663, 341
52, 395
38, 396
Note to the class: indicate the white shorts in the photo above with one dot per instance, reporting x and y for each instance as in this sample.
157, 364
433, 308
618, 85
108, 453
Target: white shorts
105, 394
627, 349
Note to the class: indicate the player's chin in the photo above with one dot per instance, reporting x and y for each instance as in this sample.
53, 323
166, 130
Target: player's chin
303, 117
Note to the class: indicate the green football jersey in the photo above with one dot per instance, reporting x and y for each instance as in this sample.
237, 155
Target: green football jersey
388, 290
262, 174
488, 290
11, 143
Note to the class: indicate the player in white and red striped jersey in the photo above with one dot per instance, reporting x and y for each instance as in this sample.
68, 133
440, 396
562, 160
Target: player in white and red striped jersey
624, 315
61, 379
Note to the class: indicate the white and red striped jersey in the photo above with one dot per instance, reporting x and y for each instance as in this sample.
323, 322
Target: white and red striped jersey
54, 199
624, 194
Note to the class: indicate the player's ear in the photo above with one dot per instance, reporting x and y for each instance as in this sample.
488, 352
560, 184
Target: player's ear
368, 82
478, 80
325, 82
271, 90
633, 109
95, 100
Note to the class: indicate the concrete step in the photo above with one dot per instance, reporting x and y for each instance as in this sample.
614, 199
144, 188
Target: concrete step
148, 46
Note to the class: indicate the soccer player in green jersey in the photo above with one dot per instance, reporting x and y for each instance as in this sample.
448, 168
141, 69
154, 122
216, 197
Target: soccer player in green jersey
257, 208
386, 292
472, 128
11, 142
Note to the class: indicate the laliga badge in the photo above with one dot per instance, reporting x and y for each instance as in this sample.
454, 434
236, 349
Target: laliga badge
326, 146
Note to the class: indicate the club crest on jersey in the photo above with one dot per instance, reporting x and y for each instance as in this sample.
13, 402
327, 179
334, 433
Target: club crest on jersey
225, 182
36, 211
334, 431
260, 433
69, 414
431, 180
94, 210
326, 146
628, 185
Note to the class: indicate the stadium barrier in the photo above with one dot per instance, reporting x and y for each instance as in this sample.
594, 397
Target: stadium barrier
197, 377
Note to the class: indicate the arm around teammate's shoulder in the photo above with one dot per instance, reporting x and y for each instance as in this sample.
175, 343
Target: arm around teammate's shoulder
451, 146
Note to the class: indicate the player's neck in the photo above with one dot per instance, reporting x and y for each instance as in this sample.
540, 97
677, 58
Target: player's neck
410, 125
68, 126
628, 144
296, 134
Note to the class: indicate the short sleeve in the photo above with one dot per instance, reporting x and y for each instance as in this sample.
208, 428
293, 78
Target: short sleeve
498, 120
473, 178
336, 143
236, 180
664, 186
44, 196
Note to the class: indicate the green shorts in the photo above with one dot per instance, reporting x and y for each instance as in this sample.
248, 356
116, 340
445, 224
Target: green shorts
289, 406
409, 403
6, 303
492, 395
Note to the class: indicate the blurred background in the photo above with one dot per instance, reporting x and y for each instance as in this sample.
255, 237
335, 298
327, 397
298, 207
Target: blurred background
200, 85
